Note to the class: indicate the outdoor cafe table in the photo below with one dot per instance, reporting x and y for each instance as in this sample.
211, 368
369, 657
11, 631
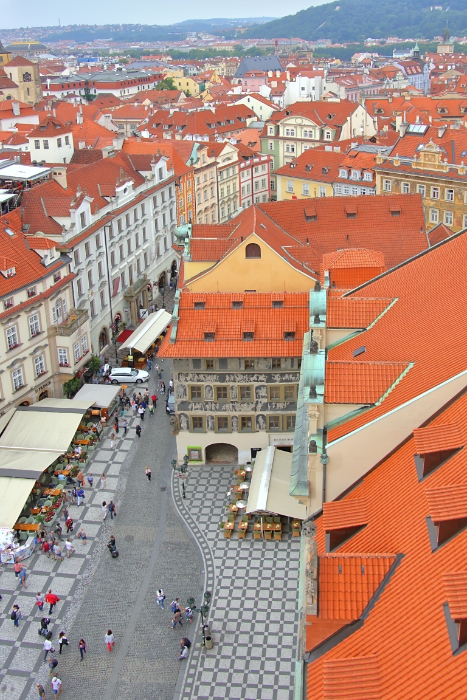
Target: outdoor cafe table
81, 442
26, 527
65, 472
52, 492
243, 526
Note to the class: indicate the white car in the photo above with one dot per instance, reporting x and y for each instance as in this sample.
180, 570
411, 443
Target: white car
125, 375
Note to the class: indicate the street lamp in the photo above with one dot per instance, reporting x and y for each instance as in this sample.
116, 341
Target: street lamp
203, 611
181, 472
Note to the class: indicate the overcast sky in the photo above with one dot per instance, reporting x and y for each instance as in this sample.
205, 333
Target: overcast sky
15, 14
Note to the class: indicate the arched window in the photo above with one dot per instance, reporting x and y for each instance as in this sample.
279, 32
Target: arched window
252, 251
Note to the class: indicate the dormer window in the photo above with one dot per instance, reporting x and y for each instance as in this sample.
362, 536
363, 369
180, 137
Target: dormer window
237, 304
57, 277
199, 305
8, 303
32, 291
253, 250
342, 520
343, 173
448, 513
277, 304
248, 336
455, 609
435, 444
289, 335
10, 272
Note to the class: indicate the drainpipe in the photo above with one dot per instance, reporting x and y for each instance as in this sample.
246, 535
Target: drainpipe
324, 460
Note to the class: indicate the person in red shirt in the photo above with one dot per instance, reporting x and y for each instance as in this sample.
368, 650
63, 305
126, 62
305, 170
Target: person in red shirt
52, 600
46, 548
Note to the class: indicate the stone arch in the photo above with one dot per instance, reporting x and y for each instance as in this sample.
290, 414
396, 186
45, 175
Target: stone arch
221, 453
253, 250
103, 338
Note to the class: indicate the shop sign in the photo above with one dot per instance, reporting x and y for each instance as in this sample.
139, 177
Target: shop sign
42, 386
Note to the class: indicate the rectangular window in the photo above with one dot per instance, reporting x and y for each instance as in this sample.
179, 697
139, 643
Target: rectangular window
17, 377
67, 140
195, 393
90, 280
76, 257
98, 240
39, 365
449, 195
249, 364
8, 303
122, 254
421, 189
289, 186
92, 308
102, 298
245, 393
222, 423
209, 364
435, 193
274, 393
113, 262
448, 218
289, 393
76, 351
37, 143
79, 288
197, 423
100, 269
32, 291
34, 327
63, 357
276, 363
306, 189
221, 393
405, 188
12, 337
46, 144
322, 191
290, 422
84, 345
274, 422
387, 185
434, 216
246, 423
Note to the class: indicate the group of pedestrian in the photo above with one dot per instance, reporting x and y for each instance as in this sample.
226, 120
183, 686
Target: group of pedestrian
107, 508
178, 614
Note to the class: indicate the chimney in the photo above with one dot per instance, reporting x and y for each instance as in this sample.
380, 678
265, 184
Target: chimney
54, 112
16, 109
59, 175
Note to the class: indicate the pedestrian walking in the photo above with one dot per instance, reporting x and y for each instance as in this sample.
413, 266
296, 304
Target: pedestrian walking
62, 640
148, 473
82, 648
69, 548
53, 663
65, 512
161, 598
116, 428
162, 387
45, 622
103, 481
134, 407
16, 615
58, 552
90, 480
112, 441
149, 364
171, 386
47, 648
73, 494
80, 496
138, 430
57, 685
189, 615
177, 619
141, 411
58, 531
175, 605
17, 566
185, 642
125, 426
40, 601
109, 640
151, 408
158, 369
183, 653
23, 575
52, 600
104, 510
80, 478
69, 525
112, 510
40, 691
82, 536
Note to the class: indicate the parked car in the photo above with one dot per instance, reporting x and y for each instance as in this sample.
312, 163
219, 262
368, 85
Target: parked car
125, 375
170, 404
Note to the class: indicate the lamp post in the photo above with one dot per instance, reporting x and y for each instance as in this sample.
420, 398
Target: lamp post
203, 611
181, 472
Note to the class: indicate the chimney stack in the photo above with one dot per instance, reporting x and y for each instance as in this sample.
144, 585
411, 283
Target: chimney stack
59, 175
16, 109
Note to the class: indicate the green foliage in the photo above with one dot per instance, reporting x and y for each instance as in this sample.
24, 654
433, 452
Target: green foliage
166, 84
94, 364
71, 387
357, 20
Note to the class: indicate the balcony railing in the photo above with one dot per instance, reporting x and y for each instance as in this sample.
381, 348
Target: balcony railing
75, 319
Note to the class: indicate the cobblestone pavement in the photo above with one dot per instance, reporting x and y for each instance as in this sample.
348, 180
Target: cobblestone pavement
253, 617
98, 592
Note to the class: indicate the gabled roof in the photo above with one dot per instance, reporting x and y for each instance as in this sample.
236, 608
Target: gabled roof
19, 61
49, 128
347, 312
361, 382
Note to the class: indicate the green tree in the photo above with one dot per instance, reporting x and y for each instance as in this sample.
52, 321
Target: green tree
166, 84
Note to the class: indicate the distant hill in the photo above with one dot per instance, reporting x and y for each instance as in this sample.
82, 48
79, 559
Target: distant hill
357, 20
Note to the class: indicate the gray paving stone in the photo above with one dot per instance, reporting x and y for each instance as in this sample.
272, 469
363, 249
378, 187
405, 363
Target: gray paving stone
12, 686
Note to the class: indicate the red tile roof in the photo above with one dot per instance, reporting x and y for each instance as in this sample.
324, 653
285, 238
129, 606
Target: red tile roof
361, 382
344, 513
438, 438
347, 312
19, 61
447, 502
410, 319
439, 233
270, 324
352, 679
456, 592
50, 127
403, 613
319, 166
347, 583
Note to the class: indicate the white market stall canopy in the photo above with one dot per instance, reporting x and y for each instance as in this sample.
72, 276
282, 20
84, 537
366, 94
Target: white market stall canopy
101, 395
270, 483
148, 331
23, 173
24, 463
47, 426
15, 493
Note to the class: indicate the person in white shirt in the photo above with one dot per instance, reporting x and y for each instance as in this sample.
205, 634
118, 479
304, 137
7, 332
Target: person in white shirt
183, 654
47, 647
56, 685
69, 548
109, 640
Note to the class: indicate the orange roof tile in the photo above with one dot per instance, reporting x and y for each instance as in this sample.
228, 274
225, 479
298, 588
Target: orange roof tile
347, 582
40, 243
447, 502
360, 382
456, 592
410, 319
352, 679
436, 438
257, 309
396, 509
354, 257
49, 127
344, 513
349, 312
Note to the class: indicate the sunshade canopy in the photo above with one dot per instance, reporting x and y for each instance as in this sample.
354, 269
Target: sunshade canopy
101, 395
148, 331
270, 482
15, 493
24, 463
